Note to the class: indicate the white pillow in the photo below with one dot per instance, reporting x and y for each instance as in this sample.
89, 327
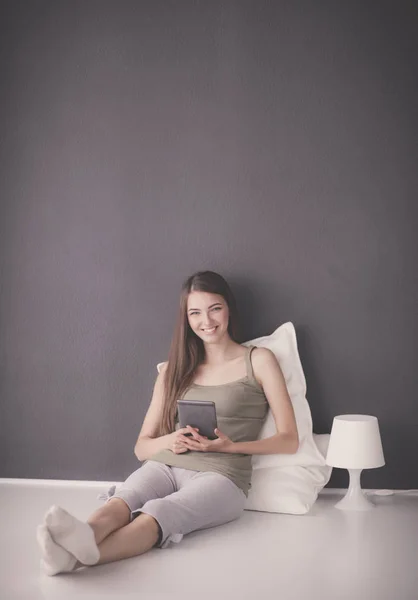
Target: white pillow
282, 342
291, 490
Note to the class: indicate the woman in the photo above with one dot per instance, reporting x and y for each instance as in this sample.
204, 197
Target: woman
185, 483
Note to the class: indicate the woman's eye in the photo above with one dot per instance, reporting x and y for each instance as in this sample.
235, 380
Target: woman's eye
216, 308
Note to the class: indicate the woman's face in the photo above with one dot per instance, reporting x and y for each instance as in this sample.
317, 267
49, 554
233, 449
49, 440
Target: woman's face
206, 311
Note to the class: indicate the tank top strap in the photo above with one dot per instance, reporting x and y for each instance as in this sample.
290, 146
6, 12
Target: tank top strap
250, 371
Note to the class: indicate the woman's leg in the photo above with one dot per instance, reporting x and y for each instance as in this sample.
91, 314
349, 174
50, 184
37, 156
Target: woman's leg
204, 499
130, 540
81, 540
106, 519
152, 480
133, 539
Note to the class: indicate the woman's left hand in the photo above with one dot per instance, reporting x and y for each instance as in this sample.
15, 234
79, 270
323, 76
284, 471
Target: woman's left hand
201, 443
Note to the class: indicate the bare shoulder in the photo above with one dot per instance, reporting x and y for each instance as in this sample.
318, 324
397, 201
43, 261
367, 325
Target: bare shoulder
263, 361
261, 356
162, 368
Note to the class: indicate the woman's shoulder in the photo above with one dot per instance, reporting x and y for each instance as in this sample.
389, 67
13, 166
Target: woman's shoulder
162, 367
260, 351
260, 357
261, 360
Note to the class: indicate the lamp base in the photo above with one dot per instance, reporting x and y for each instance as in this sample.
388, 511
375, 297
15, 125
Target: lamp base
354, 498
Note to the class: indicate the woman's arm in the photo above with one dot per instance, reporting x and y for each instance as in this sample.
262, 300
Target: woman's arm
147, 444
280, 443
286, 440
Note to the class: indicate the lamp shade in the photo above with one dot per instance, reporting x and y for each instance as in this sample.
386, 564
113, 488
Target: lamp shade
355, 443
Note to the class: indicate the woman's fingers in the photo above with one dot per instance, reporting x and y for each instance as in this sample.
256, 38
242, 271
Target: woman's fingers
193, 441
179, 447
194, 433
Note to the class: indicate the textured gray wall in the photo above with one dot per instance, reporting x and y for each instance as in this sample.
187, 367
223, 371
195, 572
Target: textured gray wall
274, 142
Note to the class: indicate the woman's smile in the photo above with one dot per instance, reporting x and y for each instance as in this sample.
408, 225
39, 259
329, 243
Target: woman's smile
210, 331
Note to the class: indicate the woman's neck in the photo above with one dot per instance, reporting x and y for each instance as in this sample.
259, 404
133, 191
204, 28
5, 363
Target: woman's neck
221, 353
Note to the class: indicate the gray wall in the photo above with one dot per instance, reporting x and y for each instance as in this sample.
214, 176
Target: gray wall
274, 142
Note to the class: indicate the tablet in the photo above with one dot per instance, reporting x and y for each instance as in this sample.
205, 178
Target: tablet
200, 414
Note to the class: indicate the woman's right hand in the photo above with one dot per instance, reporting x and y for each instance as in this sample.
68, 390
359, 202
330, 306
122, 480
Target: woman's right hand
177, 439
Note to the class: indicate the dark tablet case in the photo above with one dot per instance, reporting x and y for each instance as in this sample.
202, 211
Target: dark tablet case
200, 414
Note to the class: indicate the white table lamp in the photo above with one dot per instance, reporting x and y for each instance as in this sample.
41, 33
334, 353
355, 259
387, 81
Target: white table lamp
355, 445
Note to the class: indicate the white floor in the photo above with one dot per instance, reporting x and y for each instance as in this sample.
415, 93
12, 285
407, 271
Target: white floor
326, 554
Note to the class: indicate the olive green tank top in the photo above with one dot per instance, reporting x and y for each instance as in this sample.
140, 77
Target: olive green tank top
241, 408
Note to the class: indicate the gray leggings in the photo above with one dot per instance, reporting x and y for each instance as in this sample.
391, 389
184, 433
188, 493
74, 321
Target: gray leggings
180, 500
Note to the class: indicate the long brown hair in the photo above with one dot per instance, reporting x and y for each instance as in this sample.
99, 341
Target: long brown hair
187, 349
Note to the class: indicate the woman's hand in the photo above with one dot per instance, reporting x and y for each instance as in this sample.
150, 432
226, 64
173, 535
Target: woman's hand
201, 443
177, 441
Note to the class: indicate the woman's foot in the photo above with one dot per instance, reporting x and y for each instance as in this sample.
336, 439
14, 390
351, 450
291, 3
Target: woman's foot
54, 558
76, 537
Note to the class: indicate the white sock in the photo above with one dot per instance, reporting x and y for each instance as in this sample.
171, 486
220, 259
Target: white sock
54, 558
73, 535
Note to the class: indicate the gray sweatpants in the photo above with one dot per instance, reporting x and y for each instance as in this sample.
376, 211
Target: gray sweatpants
180, 500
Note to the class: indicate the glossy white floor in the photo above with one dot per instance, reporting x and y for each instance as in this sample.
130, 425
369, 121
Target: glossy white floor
326, 554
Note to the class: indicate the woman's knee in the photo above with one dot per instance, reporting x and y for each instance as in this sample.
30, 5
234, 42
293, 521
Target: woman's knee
119, 507
151, 524
114, 515
115, 510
